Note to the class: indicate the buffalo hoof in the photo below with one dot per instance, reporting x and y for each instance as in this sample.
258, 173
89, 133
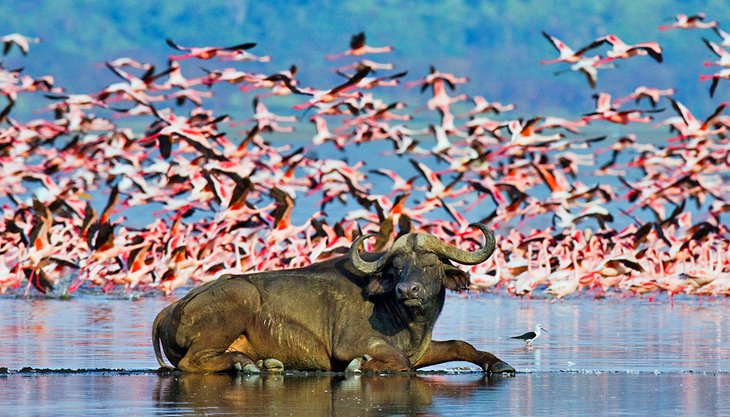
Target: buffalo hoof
271, 365
248, 368
501, 368
355, 364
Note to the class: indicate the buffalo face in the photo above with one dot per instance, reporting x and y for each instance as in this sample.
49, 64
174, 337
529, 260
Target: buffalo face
418, 267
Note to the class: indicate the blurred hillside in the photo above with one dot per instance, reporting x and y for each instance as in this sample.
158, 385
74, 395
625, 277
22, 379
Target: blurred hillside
497, 44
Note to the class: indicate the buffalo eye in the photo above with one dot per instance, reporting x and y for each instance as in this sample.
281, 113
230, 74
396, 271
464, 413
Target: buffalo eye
398, 264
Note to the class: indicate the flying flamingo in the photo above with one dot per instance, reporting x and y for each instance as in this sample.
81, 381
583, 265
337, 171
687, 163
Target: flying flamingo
323, 96
481, 105
723, 35
695, 21
690, 126
723, 73
622, 50
567, 54
358, 47
589, 66
375, 66
16, 39
652, 94
523, 134
607, 111
724, 55
208, 52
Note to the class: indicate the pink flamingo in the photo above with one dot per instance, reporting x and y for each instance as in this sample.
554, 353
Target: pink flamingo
721, 53
695, 21
358, 47
716, 77
18, 40
567, 54
622, 50
208, 52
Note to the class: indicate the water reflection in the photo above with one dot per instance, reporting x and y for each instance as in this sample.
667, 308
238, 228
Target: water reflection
545, 393
271, 395
584, 334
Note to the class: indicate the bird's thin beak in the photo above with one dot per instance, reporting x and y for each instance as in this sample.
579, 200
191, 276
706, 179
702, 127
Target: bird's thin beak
543, 329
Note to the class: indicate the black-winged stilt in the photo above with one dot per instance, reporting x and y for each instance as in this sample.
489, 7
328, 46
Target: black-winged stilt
529, 337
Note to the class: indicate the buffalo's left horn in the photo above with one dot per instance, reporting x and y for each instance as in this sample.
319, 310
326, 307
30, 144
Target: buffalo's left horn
361, 265
455, 254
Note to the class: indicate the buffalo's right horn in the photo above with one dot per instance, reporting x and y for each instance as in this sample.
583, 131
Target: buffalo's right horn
361, 265
455, 254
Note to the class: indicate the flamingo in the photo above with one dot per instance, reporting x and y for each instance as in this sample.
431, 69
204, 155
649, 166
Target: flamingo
16, 39
373, 65
323, 96
527, 281
483, 281
695, 21
621, 50
690, 127
127, 62
641, 92
358, 47
565, 281
568, 220
241, 55
567, 54
133, 87
724, 55
218, 210
400, 185
589, 66
207, 52
523, 134
608, 112
481, 105
725, 42
716, 77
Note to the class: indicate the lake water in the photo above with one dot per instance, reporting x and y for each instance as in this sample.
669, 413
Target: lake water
619, 356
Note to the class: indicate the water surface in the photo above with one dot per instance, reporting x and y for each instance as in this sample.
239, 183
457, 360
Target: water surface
617, 356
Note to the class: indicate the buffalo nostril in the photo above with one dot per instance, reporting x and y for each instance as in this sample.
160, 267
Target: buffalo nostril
408, 290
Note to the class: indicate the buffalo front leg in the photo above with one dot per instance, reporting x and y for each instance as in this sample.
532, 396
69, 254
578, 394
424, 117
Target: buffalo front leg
381, 357
203, 360
459, 350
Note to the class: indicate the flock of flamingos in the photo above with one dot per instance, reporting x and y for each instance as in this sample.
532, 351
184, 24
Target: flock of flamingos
139, 186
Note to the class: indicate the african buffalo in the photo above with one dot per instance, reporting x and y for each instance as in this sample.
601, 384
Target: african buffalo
374, 313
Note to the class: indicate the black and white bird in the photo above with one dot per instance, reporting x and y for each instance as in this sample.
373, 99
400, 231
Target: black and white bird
529, 337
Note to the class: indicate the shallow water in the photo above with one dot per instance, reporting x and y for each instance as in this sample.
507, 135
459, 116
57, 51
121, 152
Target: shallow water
526, 394
622, 356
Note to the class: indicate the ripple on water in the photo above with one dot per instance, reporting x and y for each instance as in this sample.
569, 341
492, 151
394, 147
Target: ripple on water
92, 356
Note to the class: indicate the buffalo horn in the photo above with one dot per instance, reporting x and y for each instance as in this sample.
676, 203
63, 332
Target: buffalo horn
455, 254
361, 265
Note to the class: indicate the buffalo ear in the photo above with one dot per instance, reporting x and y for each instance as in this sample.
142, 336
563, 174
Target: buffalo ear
455, 279
379, 284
